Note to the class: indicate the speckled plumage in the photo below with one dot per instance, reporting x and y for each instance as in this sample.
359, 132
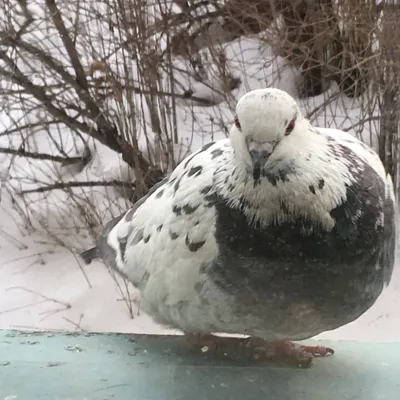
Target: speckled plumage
307, 247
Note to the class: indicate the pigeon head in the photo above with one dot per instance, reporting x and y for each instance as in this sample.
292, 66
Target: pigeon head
264, 119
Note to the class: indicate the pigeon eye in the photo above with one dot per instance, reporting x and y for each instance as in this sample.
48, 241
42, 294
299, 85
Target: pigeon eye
290, 127
236, 122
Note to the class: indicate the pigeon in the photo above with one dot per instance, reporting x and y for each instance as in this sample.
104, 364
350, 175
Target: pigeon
278, 233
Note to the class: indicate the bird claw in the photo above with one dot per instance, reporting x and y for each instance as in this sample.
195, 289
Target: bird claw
318, 351
285, 350
260, 349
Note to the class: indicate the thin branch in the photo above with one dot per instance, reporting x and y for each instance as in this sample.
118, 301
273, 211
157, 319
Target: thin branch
68, 43
46, 298
28, 21
47, 59
39, 156
76, 324
106, 133
364, 121
39, 93
30, 126
65, 185
9, 310
13, 240
93, 110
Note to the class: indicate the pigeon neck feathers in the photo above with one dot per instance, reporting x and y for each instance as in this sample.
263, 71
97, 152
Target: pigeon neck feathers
303, 178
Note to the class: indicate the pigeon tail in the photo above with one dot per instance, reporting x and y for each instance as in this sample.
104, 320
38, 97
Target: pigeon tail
89, 255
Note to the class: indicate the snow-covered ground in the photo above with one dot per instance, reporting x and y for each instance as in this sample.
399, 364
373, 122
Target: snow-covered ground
43, 284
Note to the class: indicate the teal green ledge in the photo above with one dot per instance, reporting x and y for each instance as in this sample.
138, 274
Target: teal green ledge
143, 367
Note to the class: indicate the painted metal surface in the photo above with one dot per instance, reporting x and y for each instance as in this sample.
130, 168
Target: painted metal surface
138, 367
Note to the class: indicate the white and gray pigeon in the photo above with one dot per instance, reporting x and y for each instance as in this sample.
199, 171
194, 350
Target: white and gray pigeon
280, 232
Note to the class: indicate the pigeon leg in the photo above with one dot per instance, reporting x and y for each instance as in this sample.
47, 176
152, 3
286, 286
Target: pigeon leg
205, 341
260, 349
209, 343
286, 350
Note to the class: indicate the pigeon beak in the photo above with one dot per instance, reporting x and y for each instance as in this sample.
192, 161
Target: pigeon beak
259, 157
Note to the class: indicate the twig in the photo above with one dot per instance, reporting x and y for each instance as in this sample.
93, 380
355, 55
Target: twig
28, 16
362, 122
105, 133
46, 314
80, 266
126, 298
68, 44
39, 156
40, 94
21, 258
22, 307
65, 185
77, 325
16, 242
66, 305
30, 126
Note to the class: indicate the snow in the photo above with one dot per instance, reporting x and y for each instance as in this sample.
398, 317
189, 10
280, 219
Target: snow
44, 285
